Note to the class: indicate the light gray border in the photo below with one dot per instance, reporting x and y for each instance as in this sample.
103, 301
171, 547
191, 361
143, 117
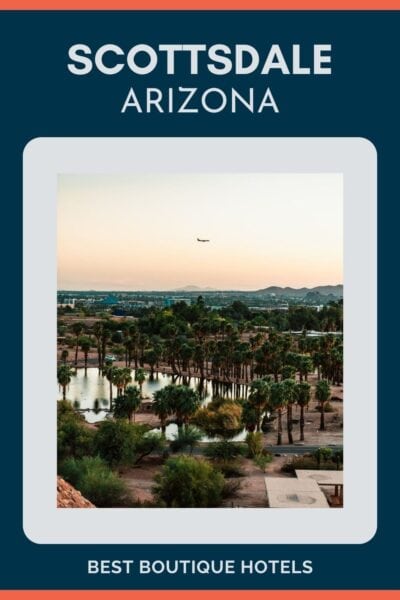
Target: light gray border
44, 159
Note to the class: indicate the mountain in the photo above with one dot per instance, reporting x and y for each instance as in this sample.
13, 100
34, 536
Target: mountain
195, 288
322, 290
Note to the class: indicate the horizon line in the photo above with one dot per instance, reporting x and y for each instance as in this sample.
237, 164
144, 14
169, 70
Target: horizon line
202, 290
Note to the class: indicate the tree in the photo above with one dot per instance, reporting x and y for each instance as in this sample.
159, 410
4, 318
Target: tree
258, 398
121, 376
220, 418
77, 329
186, 438
249, 416
86, 344
74, 438
277, 400
322, 394
140, 377
289, 397
110, 376
126, 405
305, 366
163, 406
186, 402
64, 375
64, 356
185, 482
303, 399
122, 443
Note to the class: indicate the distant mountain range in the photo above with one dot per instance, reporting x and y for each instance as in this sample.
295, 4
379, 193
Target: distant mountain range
322, 290
195, 288
335, 291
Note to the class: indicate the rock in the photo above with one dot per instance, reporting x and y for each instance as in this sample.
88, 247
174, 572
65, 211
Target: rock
69, 497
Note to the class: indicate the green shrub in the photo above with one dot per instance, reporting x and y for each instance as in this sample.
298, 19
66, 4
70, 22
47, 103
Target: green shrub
185, 482
224, 450
95, 480
262, 461
231, 470
74, 437
308, 462
254, 441
187, 437
122, 443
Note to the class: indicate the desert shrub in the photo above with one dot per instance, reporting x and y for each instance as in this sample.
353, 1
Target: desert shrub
254, 441
220, 418
145, 444
95, 480
223, 451
187, 437
185, 482
74, 438
308, 462
262, 460
322, 455
231, 470
231, 488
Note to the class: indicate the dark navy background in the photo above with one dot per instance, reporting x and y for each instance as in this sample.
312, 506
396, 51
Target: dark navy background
40, 98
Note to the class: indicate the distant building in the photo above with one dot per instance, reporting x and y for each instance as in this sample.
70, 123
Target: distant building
110, 300
67, 302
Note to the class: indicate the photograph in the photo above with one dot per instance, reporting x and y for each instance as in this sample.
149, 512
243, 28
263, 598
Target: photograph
200, 340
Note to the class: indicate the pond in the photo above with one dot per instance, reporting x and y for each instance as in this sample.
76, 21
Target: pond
90, 394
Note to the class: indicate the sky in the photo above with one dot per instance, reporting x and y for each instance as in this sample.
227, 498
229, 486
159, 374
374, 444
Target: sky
138, 231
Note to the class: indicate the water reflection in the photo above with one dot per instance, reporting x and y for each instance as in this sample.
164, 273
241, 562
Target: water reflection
90, 393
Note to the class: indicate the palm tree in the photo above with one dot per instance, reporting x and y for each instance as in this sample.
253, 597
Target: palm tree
163, 406
64, 356
77, 329
118, 379
126, 377
64, 374
277, 400
258, 398
110, 374
186, 401
322, 394
305, 366
249, 416
86, 344
140, 377
289, 396
303, 399
127, 404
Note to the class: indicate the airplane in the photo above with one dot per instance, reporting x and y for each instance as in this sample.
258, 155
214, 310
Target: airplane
200, 240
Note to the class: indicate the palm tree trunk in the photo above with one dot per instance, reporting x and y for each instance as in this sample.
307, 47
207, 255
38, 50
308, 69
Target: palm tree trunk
289, 424
302, 423
279, 441
76, 352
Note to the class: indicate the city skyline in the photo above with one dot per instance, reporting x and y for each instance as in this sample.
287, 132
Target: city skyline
139, 232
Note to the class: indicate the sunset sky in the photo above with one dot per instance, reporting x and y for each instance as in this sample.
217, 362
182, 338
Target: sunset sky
138, 231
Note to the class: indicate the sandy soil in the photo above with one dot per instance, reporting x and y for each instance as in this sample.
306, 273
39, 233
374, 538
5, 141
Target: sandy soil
140, 479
